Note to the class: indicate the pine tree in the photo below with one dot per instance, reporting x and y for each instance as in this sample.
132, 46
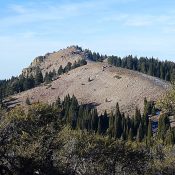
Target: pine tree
149, 132
153, 111
28, 83
28, 101
60, 70
1, 95
80, 117
94, 120
163, 126
75, 65
172, 76
66, 106
82, 62
47, 78
162, 74
145, 122
38, 77
68, 67
117, 123
54, 73
150, 71
99, 130
72, 118
169, 139
128, 125
130, 135
111, 125
145, 113
58, 103
137, 120
124, 134
85, 121
140, 135
105, 122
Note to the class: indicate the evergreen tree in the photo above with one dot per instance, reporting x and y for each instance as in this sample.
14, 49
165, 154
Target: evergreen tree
1, 95
75, 65
47, 78
163, 126
172, 75
99, 130
28, 101
28, 83
94, 120
111, 125
54, 73
72, 117
169, 139
60, 70
150, 70
153, 111
80, 117
137, 120
85, 121
145, 122
149, 132
58, 103
117, 123
105, 122
38, 77
82, 62
140, 133
128, 125
68, 67
145, 113
130, 135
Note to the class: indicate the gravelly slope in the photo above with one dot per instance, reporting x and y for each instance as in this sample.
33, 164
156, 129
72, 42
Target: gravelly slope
106, 87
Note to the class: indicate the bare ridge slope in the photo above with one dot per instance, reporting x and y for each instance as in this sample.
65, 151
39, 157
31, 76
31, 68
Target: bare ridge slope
51, 61
96, 83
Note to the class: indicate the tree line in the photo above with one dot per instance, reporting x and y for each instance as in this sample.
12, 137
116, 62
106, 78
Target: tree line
151, 66
116, 124
94, 56
22, 83
45, 140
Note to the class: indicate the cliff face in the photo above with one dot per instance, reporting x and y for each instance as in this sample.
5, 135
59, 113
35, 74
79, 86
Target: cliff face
51, 61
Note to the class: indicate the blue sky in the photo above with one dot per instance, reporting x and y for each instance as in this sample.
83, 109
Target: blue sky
29, 28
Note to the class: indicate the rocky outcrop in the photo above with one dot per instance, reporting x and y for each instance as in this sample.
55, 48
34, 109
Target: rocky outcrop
37, 61
51, 61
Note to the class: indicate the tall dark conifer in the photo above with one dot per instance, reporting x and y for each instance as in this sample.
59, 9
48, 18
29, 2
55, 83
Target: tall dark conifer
117, 123
38, 77
140, 133
149, 133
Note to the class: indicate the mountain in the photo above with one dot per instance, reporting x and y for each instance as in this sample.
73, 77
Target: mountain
51, 61
97, 83
69, 138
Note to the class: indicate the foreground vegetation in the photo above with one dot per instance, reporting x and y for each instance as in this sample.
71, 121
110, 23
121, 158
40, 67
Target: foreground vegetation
68, 138
39, 142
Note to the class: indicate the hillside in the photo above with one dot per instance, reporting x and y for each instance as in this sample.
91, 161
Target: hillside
67, 137
96, 83
51, 61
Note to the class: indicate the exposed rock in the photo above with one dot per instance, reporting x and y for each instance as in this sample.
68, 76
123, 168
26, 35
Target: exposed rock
53, 60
